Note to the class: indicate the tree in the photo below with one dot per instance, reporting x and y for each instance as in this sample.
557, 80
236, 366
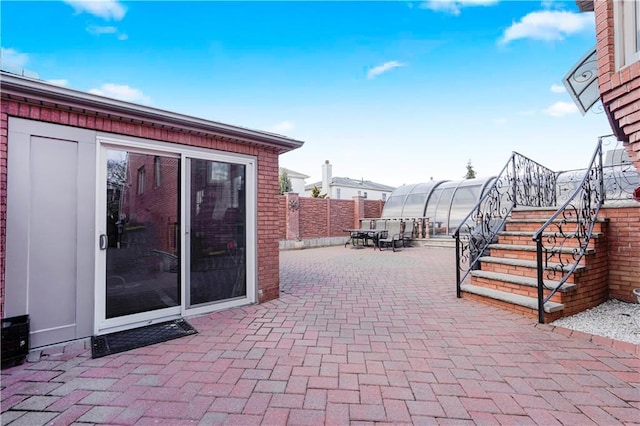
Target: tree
315, 193
285, 183
471, 174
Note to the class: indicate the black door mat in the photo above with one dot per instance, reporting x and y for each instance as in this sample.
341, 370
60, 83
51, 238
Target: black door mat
122, 341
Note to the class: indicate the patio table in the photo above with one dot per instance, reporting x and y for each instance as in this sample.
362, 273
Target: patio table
363, 235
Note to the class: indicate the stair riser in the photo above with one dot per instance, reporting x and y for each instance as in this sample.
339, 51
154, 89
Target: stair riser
521, 310
522, 271
527, 241
532, 227
513, 288
533, 214
529, 255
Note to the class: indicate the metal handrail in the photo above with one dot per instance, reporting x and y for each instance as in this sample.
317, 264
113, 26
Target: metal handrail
521, 181
581, 208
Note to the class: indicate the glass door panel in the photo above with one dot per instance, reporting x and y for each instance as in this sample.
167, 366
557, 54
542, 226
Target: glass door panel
142, 240
217, 232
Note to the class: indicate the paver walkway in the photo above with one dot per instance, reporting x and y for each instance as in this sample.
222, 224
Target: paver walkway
357, 337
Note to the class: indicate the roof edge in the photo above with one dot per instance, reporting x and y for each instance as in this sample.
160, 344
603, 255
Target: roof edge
585, 5
12, 84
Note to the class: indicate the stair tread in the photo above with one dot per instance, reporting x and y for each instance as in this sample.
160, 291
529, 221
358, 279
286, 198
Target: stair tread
543, 220
525, 281
532, 247
544, 234
526, 263
516, 299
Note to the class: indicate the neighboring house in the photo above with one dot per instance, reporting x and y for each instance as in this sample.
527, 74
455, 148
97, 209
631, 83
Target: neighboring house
346, 188
297, 180
116, 215
618, 67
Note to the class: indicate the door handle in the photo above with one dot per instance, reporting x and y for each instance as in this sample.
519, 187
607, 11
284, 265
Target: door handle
104, 242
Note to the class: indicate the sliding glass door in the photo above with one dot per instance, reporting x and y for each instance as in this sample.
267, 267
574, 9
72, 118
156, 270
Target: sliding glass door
217, 232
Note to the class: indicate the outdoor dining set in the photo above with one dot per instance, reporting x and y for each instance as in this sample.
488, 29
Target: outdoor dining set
382, 233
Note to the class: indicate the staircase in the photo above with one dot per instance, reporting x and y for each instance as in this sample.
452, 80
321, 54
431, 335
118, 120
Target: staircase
507, 274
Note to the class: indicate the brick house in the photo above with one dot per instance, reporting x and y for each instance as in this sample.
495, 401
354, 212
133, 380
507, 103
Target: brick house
114, 215
618, 67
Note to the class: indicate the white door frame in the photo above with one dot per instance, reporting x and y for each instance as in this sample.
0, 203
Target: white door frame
103, 325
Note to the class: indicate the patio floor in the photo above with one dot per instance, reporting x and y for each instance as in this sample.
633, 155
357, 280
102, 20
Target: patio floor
357, 336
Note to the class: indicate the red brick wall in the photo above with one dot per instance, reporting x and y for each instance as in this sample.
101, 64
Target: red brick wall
373, 208
313, 217
282, 214
623, 236
342, 212
620, 89
268, 222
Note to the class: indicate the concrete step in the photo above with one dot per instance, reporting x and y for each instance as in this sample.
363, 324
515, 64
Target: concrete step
521, 281
532, 225
525, 268
510, 298
528, 252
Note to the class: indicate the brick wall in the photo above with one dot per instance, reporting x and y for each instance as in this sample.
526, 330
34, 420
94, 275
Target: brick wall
620, 89
268, 222
324, 217
623, 237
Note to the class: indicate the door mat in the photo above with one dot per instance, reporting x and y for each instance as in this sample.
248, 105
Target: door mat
122, 341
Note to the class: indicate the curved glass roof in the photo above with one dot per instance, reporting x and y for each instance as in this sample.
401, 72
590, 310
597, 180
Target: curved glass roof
445, 203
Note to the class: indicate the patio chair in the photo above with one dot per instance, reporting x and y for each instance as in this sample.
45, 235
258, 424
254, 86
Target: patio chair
407, 232
394, 235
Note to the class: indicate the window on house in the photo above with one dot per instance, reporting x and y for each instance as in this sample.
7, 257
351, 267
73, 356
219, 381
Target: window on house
384, 196
365, 194
157, 180
338, 193
141, 180
626, 26
359, 193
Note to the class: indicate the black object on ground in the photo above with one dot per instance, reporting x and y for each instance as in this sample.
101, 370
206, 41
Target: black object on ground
122, 341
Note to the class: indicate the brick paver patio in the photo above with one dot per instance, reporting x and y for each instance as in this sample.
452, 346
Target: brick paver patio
357, 337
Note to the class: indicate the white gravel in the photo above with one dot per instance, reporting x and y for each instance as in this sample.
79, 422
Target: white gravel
614, 319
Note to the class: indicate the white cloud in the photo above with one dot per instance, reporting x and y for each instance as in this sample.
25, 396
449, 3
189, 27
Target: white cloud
122, 37
499, 122
11, 59
380, 69
558, 88
548, 25
59, 82
105, 9
454, 6
561, 109
122, 92
99, 30
283, 127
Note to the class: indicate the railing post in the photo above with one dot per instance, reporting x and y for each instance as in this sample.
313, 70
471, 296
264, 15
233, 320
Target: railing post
601, 184
515, 181
457, 237
540, 279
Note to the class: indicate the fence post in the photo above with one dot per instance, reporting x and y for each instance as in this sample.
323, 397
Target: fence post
292, 203
358, 210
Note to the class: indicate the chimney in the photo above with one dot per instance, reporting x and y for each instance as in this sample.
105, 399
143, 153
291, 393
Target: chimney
326, 177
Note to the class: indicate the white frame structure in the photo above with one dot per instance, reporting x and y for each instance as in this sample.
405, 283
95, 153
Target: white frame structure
102, 325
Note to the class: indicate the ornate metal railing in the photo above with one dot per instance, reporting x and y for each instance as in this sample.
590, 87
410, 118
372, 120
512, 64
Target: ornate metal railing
522, 182
572, 222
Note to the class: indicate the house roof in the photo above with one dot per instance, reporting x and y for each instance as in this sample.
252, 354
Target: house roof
39, 92
293, 173
353, 183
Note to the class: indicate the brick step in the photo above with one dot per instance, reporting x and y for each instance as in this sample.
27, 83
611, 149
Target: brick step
533, 212
530, 303
532, 225
523, 268
528, 252
521, 281
525, 238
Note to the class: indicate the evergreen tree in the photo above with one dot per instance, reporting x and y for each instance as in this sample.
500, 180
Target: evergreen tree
471, 174
285, 183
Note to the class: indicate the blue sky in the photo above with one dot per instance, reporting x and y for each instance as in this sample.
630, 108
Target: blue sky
395, 92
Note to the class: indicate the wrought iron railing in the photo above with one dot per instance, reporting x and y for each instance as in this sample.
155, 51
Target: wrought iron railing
573, 222
522, 182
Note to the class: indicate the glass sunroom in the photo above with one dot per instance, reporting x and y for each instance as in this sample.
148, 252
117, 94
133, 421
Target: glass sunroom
444, 203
